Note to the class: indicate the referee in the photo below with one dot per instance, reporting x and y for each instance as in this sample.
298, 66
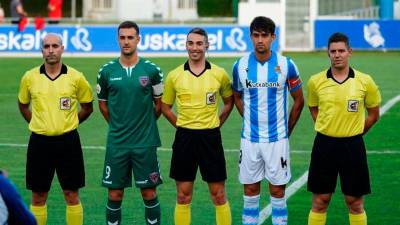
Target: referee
338, 98
54, 90
197, 87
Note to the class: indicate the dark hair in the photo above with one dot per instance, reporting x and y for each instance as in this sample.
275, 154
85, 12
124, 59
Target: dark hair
200, 31
129, 24
262, 23
339, 37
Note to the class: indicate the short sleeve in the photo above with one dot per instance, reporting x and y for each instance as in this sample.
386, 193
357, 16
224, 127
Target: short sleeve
312, 95
157, 75
24, 95
373, 96
237, 86
101, 86
157, 81
169, 91
85, 94
293, 76
226, 87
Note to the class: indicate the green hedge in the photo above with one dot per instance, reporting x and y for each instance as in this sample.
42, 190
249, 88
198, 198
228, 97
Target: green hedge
218, 8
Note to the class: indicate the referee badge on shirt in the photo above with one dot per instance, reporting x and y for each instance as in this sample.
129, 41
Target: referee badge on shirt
352, 106
211, 98
65, 103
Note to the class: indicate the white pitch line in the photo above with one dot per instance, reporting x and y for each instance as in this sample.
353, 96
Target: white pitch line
98, 147
295, 186
389, 104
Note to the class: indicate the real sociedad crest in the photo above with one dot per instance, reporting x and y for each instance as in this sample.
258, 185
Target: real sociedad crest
144, 80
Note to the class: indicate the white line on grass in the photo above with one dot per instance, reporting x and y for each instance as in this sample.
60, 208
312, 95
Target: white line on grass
97, 147
295, 186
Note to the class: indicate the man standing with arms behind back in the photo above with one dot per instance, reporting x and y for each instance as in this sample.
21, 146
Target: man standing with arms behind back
197, 87
55, 90
261, 82
129, 89
338, 98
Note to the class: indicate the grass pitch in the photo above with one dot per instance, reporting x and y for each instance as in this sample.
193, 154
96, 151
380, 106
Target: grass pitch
383, 141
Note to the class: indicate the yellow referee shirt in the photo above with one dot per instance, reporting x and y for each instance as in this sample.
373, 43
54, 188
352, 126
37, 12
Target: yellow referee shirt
54, 102
197, 97
341, 106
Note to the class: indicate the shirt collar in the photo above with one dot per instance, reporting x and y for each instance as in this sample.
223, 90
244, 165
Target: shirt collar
187, 67
64, 70
330, 75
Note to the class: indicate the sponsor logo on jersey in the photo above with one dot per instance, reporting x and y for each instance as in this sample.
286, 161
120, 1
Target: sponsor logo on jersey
251, 84
144, 80
352, 106
115, 78
211, 98
154, 177
65, 103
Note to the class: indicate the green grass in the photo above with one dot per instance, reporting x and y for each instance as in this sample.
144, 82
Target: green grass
382, 205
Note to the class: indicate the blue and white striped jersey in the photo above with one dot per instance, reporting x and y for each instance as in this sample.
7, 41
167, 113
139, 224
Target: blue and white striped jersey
264, 88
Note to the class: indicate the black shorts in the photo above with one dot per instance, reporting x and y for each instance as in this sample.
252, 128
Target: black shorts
198, 148
345, 157
49, 154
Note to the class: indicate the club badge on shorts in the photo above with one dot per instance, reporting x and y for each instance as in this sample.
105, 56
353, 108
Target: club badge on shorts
144, 80
154, 177
211, 98
352, 106
65, 103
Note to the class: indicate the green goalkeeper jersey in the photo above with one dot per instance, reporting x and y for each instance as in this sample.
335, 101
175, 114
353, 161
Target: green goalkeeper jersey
129, 92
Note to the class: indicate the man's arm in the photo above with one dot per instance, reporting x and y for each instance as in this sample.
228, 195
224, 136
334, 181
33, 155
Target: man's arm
104, 110
17, 211
228, 105
86, 110
295, 112
372, 118
157, 106
314, 112
20, 10
25, 111
167, 112
237, 96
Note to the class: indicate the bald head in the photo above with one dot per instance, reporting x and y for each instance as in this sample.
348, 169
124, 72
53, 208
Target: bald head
52, 49
53, 36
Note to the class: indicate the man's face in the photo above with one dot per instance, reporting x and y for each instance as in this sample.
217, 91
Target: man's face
128, 40
52, 49
339, 55
262, 41
196, 46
